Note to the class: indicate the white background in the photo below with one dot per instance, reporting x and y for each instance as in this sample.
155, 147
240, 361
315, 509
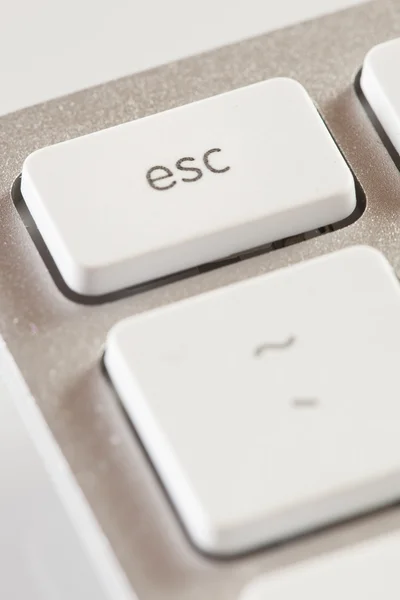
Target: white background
50, 48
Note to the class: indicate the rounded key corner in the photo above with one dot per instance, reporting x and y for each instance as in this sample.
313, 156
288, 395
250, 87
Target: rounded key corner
364, 75
382, 47
370, 56
352, 199
367, 74
28, 160
294, 85
78, 279
113, 339
290, 82
32, 158
107, 357
210, 541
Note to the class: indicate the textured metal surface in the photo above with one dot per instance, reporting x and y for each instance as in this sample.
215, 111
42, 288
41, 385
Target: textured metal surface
58, 344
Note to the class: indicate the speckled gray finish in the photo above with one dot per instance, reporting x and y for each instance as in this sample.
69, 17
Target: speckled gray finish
58, 344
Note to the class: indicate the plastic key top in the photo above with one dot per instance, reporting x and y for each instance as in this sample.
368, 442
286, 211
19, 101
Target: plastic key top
188, 186
381, 86
270, 407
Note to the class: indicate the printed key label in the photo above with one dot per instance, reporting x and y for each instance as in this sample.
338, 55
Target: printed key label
162, 178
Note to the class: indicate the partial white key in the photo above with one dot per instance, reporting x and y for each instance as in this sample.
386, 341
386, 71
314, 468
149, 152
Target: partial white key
270, 407
51, 546
188, 186
381, 86
365, 572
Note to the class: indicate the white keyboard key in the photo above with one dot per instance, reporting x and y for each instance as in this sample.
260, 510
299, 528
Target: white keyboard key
270, 407
191, 185
51, 546
365, 572
380, 84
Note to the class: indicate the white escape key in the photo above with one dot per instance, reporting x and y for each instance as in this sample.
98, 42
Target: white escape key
191, 185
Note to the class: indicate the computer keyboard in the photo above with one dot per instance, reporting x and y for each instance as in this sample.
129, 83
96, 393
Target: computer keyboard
233, 421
